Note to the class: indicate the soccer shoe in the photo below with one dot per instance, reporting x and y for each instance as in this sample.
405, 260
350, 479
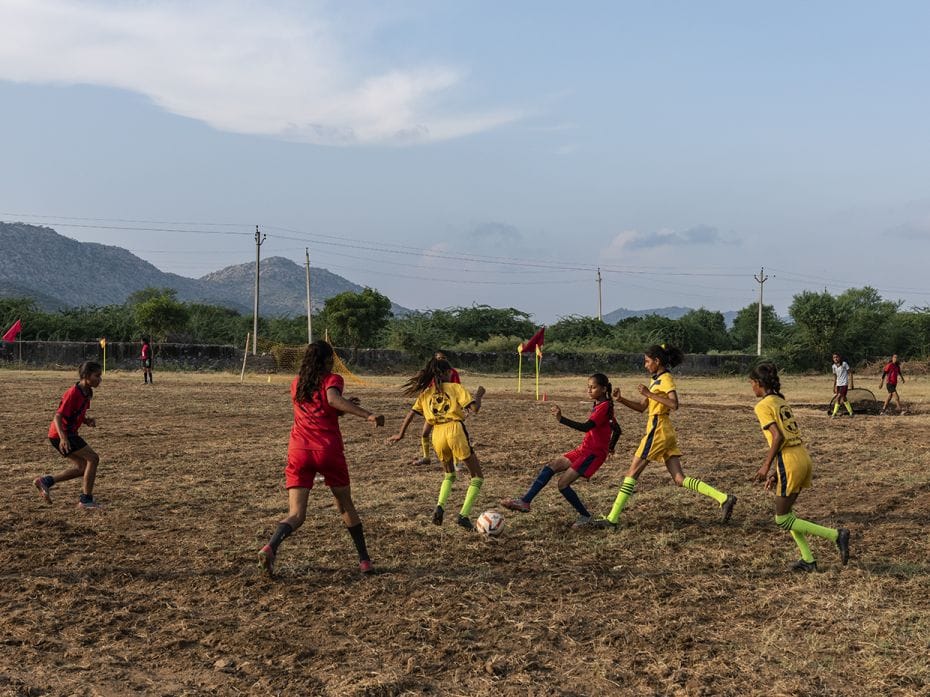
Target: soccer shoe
266, 557
582, 522
516, 505
43, 489
89, 505
365, 566
806, 566
842, 544
464, 522
727, 507
437, 515
602, 523
420, 461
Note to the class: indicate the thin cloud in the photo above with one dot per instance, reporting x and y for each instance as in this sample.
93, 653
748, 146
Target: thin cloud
700, 235
281, 70
917, 230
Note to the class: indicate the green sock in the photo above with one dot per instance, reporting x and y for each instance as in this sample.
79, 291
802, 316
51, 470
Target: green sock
474, 486
836, 408
626, 491
424, 446
848, 407
801, 542
790, 521
704, 488
446, 488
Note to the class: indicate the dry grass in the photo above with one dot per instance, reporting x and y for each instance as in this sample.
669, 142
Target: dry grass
159, 592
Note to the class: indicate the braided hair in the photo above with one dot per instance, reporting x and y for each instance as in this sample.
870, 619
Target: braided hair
313, 367
432, 374
766, 374
669, 356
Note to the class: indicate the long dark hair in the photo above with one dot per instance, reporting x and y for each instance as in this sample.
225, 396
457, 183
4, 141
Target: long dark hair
312, 369
766, 374
669, 356
430, 375
604, 382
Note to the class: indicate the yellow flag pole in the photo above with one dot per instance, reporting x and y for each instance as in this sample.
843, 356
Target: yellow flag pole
519, 366
103, 345
538, 356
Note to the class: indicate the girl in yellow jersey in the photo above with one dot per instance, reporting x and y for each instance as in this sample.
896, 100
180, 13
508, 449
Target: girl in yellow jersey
660, 444
444, 404
793, 466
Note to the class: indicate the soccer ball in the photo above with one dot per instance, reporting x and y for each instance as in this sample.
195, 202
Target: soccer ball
490, 523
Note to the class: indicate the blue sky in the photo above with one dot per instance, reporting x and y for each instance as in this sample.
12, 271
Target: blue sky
456, 152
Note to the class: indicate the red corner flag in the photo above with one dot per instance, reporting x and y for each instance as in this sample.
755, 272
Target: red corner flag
535, 343
13, 331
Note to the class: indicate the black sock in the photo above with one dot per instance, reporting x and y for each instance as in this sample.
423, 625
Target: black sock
358, 537
284, 529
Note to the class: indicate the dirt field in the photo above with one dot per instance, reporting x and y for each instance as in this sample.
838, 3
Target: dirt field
159, 592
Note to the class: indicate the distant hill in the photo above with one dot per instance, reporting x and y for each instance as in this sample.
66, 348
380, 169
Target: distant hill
58, 272
673, 312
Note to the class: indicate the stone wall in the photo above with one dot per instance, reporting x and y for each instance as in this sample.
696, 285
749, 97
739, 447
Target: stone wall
125, 356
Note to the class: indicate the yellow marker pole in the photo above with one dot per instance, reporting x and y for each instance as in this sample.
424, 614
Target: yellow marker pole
103, 345
538, 356
519, 366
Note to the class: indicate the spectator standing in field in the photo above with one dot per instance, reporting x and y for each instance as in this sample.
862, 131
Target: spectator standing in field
444, 404
793, 466
842, 381
890, 376
316, 446
660, 444
146, 359
63, 435
601, 432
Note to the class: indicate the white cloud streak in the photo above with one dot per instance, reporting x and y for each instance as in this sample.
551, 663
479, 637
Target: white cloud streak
277, 69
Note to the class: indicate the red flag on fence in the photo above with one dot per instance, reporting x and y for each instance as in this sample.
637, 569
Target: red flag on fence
535, 343
13, 331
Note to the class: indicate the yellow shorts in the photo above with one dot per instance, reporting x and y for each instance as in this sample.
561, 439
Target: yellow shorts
450, 441
660, 442
793, 469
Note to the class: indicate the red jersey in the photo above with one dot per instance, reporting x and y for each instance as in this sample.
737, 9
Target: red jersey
145, 351
73, 408
891, 372
316, 423
454, 377
598, 438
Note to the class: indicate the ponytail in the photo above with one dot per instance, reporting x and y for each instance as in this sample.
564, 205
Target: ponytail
766, 374
430, 375
669, 356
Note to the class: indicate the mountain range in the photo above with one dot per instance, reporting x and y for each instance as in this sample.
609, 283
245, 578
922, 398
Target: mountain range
58, 272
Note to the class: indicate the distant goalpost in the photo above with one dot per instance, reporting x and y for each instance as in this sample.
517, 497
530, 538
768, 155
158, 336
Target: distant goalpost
276, 358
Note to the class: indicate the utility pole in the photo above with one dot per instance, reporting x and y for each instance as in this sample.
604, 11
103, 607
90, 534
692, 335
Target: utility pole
760, 279
600, 307
259, 239
309, 319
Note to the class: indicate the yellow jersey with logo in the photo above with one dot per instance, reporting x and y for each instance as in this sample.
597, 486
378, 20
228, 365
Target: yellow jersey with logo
661, 384
444, 405
773, 409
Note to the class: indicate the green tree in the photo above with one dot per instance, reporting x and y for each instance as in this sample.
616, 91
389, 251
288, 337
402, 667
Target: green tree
480, 322
161, 315
702, 331
356, 319
817, 325
744, 332
865, 321
577, 331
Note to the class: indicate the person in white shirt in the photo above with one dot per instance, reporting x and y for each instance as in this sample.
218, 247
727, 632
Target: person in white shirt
842, 381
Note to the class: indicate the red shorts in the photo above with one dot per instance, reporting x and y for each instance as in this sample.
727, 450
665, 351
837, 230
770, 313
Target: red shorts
303, 465
842, 390
585, 462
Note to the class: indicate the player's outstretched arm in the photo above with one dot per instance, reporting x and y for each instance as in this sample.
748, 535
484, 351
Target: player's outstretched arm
403, 427
346, 406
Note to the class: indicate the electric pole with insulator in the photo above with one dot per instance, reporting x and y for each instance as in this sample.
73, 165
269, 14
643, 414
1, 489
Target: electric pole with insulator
259, 239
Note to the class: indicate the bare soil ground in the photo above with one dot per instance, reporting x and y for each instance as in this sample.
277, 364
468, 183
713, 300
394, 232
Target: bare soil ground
159, 592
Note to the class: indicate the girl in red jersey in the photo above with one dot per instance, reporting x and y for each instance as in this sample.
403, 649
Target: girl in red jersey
601, 432
316, 446
146, 359
63, 435
428, 427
